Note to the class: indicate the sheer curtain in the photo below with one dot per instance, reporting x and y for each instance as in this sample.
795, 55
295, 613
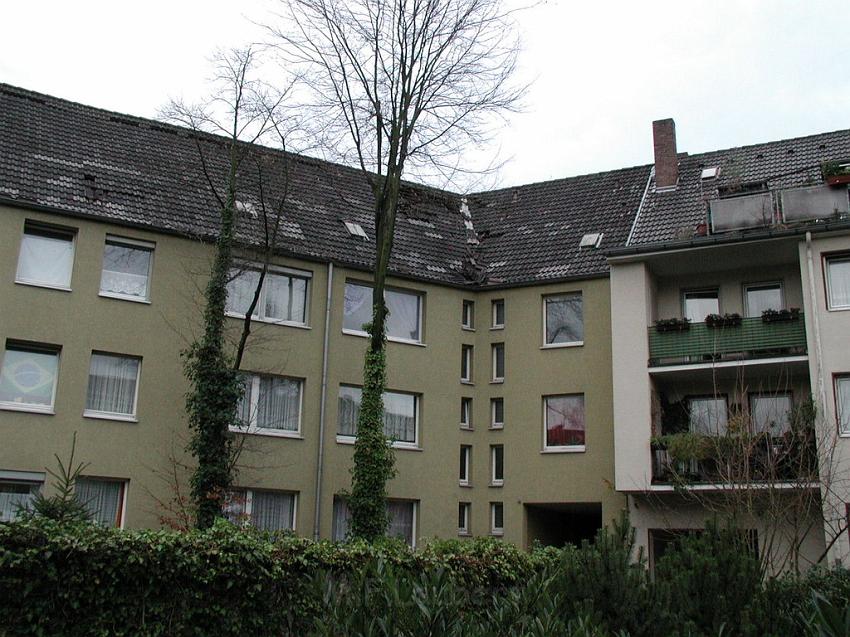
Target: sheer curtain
112, 384
125, 270
839, 282
279, 404
357, 307
272, 511
46, 258
341, 520
401, 520
400, 417
15, 496
101, 498
403, 320
276, 294
349, 410
240, 290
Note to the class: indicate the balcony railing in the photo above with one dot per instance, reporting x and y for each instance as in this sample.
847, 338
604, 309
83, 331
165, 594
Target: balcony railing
753, 338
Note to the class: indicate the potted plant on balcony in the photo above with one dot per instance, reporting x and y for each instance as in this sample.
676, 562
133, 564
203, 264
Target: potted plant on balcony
686, 450
726, 320
673, 325
836, 173
777, 316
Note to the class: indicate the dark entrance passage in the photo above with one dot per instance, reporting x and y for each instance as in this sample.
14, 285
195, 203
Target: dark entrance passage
560, 523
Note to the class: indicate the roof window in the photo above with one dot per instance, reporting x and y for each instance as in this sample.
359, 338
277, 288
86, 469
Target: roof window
591, 240
710, 173
355, 229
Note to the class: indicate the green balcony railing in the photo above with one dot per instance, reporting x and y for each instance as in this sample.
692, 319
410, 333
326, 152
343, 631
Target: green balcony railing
753, 338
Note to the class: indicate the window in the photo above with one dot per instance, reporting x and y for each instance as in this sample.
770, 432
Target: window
403, 321
564, 421
498, 362
697, 304
842, 402
770, 413
271, 404
466, 413
468, 315
113, 386
497, 465
463, 518
283, 297
28, 378
126, 269
761, 297
497, 413
466, 363
708, 415
563, 319
465, 459
17, 491
46, 257
401, 413
265, 510
103, 499
498, 314
838, 282
497, 518
401, 513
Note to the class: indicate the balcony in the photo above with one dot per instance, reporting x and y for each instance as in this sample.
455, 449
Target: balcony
753, 338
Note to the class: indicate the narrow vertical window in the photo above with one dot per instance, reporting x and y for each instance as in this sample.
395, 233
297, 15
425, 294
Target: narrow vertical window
842, 402
498, 312
126, 269
463, 518
497, 413
466, 364
497, 465
466, 413
838, 282
465, 458
497, 518
468, 315
46, 257
498, 362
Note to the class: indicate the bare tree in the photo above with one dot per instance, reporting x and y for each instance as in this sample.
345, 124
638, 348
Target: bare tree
396, 85
249, 185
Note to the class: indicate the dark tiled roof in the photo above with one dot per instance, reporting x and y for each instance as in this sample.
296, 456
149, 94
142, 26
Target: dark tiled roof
85, 161
667, 216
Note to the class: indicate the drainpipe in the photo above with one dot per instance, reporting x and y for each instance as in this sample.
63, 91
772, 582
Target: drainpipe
815, 320
320, 457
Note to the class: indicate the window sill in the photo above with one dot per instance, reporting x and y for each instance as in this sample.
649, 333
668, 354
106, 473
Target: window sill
466, 382
466, 428
254, 319
465, 485
46, 286
496, 427
31, 409
464, 533
100, 415
391, 339
496, 485
841, 308
575, 449
497, 381
271, 433
349, 440
124, 297
466, 328
562, 345
493, 328
495, 533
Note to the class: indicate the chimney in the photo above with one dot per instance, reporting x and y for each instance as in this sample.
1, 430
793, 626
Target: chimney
666, 163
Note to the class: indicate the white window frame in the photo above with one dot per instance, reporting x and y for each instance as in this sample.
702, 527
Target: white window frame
129, 243
465, 465
32, 479
495, 378
763, 284
829, 259
107, 415
35, 348
547, 448
467, 320
464, 507
686, 292
249, 504
466, 413
125, 483
396, 444
842, 412
550, 297
494, 481
253, 408
414, 518
46, 227
261, 301
706, 398
497, 530
466, 360
752, 397
494, 424
420, 302
494, 324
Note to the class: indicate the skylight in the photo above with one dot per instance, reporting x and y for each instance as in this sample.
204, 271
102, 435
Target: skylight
710, 173
591, 240
355, 229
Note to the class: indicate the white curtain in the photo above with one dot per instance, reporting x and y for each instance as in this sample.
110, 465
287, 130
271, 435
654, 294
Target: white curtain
298, 300
272, 511
349, 410
771, 414
15, 496
358, 307
112, 384
341, 520
403, 319
125, 270
240, 290
564, 319
279, 403
276, 294
708, 416
698, 305
28, 378
761, 298
839, 283
46, 259
842, 390
243, 409
400, 417
401, 520
101, 498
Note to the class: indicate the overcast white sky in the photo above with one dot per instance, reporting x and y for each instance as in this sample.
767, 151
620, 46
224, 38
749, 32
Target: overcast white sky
731, 72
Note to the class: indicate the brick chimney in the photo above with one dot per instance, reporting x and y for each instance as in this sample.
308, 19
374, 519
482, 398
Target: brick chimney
666, 163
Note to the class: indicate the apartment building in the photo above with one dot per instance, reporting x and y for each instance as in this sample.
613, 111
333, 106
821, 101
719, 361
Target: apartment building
729, 314
499, 400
